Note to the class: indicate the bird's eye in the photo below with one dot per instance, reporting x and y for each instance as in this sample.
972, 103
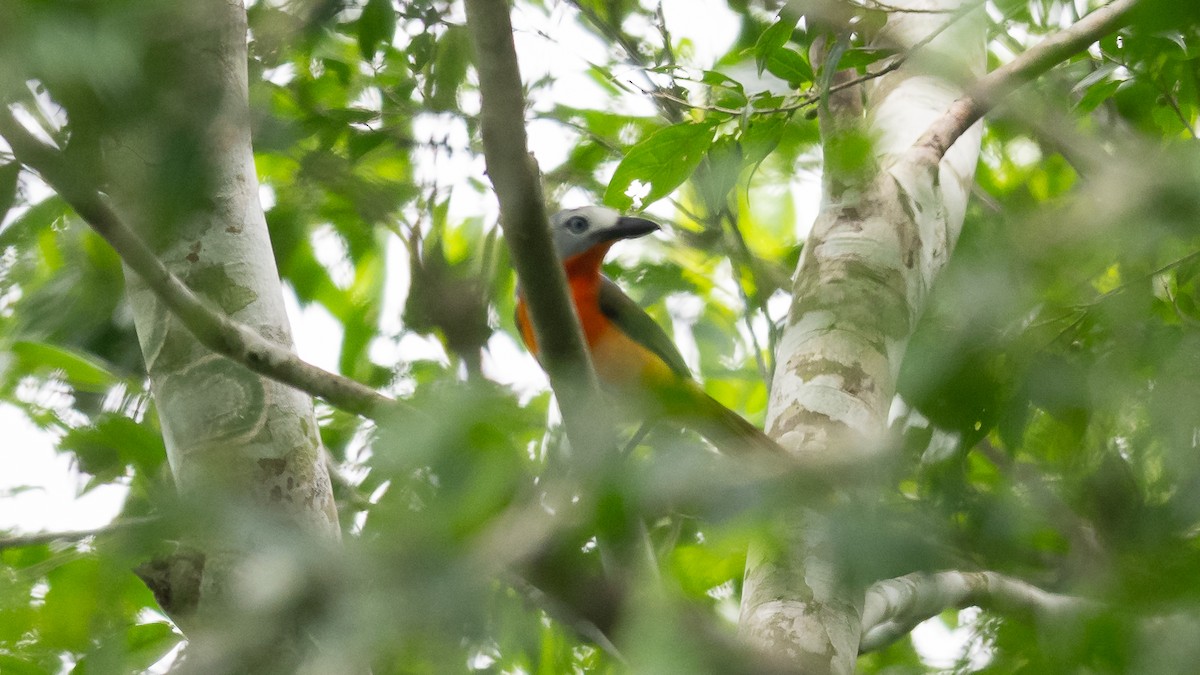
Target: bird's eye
576, 224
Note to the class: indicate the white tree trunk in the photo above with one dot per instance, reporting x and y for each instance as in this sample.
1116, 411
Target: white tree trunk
895, 606
230, 434
873, 254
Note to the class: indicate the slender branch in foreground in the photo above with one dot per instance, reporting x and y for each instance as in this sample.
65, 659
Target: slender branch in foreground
816, 92
212, 328
634, 57
567, 615
885, 7
1078, 531
990, 88
526, 228
895, 606
39, 538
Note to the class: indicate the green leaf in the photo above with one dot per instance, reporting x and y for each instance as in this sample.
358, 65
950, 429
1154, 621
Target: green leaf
421, 50
450, 68
664, 161
39, 217
715, 78
8, 186
791, 66
16, 666
72, 602
699, 568
376, 25
862, 57
1104, 72
727, 91
79, 370
114, 442
761, 136
148, 642
720, 173
773, 38
1096, 95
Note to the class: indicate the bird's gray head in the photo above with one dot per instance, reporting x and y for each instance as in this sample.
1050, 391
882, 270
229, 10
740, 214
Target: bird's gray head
578, 230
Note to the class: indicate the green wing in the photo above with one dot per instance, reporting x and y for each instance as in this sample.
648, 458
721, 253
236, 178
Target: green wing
637, 324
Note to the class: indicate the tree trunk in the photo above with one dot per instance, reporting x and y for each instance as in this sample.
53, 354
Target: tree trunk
182, 174
879, 242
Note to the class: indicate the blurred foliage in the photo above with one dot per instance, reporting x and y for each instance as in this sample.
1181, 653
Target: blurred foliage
1050, 429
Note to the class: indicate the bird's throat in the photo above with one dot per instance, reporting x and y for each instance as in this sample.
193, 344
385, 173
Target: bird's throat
583, 277
586, 265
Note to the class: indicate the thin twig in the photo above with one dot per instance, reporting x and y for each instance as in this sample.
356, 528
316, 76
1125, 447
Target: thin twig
814, 94
1166, 93
994, 86
883, 6
1178, 112
567, 614
524, 221
1186, 320
633, 56
1085, 308
211, 328
766, 369
638, 436
1046, 501
39, 538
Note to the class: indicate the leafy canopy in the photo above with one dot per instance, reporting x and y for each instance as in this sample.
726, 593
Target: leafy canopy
1050, 429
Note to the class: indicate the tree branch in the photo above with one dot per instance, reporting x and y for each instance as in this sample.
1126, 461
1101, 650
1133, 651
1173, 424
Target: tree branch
895, 606
1079, 532
997, 84
39, 538
213, 329
658, 93
526, 228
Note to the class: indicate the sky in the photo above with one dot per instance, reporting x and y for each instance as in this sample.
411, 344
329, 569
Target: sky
41, 490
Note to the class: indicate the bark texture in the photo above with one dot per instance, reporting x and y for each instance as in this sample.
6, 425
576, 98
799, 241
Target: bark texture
182, 176
882, 236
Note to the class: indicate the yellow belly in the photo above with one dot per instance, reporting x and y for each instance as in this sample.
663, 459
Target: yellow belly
629, 369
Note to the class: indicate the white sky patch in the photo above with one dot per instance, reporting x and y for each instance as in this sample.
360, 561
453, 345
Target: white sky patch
778, 305
27, 458
637, 191
410, 348
445, 157
10, 297
330, 251
317, 333
506, 362
368, 99
941, 646
549, 142
266, 196
395, 287
555, 45
708, 25
31, 188
47, 108
280, 75
806, 195
1024, 152
685, 310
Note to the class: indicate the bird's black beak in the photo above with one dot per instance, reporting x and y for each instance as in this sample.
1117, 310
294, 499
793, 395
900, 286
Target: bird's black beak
628, 227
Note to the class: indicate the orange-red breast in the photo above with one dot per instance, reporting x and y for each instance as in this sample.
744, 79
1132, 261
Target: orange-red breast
634, 359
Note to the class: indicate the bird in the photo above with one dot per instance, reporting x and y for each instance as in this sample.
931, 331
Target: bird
637, 364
